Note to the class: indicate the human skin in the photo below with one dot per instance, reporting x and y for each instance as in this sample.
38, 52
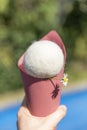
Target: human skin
26, 121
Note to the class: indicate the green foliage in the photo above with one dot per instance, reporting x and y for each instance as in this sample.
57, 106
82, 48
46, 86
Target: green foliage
23, 21
4, 6
75, 30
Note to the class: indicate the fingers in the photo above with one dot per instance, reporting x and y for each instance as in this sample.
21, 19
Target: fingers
57, 116
23, 109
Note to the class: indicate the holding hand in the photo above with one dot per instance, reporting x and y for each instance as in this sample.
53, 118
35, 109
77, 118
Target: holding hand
26, 121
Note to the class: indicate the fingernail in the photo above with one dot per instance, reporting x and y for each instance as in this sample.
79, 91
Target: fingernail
63, 107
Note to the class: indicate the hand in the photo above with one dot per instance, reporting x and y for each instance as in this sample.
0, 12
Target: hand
26, 121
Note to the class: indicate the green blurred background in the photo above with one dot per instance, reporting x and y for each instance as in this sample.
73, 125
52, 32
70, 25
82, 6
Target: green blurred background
23, 21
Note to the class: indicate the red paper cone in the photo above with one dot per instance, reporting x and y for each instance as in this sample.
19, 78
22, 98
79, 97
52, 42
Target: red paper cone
43, 95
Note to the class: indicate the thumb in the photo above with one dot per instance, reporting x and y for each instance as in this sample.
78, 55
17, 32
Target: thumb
54, 118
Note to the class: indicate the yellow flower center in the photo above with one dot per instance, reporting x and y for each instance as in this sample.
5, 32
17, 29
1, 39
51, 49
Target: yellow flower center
65, 79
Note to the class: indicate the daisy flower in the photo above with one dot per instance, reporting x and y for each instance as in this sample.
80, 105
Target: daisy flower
65, 80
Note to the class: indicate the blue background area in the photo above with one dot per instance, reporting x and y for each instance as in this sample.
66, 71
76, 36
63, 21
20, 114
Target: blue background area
76, 118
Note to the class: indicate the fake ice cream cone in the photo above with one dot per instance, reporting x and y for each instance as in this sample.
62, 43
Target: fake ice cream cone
43, 94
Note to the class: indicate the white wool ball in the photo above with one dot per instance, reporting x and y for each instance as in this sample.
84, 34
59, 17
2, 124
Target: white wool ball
43, 59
